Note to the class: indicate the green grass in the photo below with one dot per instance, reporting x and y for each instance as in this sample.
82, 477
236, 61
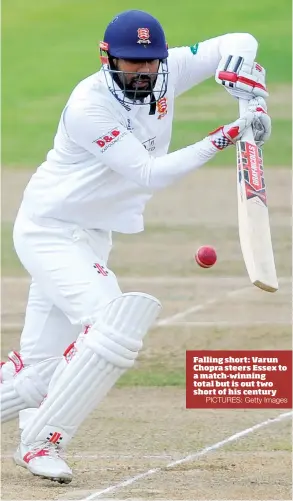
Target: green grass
154, 376
47, 47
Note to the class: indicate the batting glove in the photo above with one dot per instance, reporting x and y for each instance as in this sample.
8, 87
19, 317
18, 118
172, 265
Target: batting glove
261, 124
228, 134
242, 80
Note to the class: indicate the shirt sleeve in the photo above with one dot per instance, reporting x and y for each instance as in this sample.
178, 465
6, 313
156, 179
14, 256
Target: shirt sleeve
191, 65
116, 147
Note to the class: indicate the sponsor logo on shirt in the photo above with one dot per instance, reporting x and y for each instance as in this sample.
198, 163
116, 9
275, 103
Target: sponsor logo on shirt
194, 48
112, 137
162, 107
129, 126
150, 144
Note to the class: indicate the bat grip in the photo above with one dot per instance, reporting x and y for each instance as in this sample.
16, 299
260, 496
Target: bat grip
248, 134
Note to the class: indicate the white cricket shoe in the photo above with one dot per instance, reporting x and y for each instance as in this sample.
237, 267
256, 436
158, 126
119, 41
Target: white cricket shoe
44, 460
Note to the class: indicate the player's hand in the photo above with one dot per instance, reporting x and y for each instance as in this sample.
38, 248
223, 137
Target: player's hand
240, 79
261, 124
228, 134
255, 117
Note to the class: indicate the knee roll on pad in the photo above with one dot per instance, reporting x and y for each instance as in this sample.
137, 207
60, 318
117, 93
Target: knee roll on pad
113, 348
26, 388
108, 349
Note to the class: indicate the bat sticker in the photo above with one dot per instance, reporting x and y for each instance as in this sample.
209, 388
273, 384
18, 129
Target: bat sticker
250, 157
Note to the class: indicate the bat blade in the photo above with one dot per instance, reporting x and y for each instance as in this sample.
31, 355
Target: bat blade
253, 217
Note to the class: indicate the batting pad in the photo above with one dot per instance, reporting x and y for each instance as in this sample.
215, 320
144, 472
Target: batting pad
108, 349
27, 388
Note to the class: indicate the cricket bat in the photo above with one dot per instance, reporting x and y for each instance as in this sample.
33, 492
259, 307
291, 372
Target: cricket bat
253, 214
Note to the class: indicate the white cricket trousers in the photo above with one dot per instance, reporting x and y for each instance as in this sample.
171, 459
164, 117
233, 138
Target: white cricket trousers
70, 283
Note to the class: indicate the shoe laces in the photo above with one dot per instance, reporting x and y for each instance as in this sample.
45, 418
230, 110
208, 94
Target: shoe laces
54, 452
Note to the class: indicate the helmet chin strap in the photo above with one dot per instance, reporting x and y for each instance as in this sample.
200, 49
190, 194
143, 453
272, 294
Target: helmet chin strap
152, 105
120, 84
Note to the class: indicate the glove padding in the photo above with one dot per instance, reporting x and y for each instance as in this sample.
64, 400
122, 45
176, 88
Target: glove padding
256, 117
241, 79
261, 124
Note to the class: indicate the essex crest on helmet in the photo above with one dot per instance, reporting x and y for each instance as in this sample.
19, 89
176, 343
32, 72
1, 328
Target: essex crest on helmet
143, 35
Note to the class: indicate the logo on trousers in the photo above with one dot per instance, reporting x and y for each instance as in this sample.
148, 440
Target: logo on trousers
101, 270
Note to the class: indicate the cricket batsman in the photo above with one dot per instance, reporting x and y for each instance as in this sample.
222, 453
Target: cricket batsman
110, 155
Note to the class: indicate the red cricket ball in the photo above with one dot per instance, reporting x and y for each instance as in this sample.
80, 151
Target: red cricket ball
206, 256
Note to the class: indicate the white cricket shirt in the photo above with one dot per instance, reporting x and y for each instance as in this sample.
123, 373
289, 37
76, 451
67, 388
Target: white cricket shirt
107, 161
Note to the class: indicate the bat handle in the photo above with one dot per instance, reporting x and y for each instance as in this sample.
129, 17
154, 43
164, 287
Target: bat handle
248, 135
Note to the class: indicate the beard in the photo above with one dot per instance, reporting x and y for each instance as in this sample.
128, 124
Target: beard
138, 88
135, 86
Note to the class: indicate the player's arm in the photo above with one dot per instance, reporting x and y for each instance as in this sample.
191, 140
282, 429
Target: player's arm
229, 58
118, 148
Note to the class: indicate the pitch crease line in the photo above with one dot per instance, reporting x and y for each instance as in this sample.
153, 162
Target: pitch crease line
199, 307
190, 457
